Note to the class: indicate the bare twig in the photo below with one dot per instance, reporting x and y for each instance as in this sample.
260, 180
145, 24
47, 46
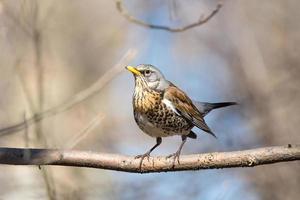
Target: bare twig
26, 136
76, 99
83, 133
35, 34
245, 158
173, 9
202, 20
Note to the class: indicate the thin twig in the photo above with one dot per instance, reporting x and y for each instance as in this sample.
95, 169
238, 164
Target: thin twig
83, 133
36, 37
76, 99
202, 20
26, 136
245, 158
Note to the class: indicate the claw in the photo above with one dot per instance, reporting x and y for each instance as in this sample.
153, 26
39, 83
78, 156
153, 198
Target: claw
171, 155
176, 157
138, 156
177, 154
147, 154
142, 157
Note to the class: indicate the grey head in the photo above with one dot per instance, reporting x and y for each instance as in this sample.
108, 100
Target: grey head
151, 75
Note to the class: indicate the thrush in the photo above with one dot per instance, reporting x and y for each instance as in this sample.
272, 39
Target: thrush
161, 109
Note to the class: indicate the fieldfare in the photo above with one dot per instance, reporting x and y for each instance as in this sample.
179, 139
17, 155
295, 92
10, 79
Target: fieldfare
161, 109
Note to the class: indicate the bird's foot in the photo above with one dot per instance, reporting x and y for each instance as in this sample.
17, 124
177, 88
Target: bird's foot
176, 157
142, 157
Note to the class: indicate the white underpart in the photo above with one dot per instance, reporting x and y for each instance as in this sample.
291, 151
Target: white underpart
170, 105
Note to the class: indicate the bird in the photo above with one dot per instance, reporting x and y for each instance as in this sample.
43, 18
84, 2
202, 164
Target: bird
161, 109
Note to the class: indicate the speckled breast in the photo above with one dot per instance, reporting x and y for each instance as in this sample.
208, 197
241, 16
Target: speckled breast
155, 118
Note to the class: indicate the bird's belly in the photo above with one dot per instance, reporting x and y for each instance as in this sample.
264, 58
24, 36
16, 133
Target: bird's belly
162, 124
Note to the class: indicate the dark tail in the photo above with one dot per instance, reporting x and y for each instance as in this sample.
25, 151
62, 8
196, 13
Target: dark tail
205, 107
192, 135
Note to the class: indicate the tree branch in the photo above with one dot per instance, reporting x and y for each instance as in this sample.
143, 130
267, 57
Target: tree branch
76, 99
245, 158
202, 19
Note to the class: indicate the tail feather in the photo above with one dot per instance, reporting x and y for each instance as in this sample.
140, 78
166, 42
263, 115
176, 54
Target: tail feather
205, 107
192, 135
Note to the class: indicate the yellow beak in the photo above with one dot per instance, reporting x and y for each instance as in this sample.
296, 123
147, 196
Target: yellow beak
133, 70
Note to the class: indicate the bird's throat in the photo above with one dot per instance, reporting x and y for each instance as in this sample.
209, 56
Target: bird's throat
145, 99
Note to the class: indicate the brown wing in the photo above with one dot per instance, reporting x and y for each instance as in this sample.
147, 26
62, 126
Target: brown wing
185, 107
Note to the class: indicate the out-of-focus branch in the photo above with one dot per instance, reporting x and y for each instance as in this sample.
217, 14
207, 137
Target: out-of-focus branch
202, 20
245, 158
76, 99
71, 143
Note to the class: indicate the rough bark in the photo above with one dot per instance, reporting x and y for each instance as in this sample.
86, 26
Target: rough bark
216, 160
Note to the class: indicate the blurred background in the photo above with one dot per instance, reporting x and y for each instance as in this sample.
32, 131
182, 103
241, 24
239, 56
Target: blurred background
55, 52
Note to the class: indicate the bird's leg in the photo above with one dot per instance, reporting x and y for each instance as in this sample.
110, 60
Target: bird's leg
177, 154
147, 154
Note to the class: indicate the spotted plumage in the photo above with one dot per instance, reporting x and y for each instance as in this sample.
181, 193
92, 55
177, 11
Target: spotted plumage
155, 117
161, 109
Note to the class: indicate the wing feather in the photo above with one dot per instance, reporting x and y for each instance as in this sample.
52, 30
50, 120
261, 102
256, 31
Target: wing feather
185, 107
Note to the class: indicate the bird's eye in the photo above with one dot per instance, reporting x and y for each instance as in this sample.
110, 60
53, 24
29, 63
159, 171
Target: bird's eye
147, 72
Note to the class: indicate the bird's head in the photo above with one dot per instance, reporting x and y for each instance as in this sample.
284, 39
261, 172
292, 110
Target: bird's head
149, 76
